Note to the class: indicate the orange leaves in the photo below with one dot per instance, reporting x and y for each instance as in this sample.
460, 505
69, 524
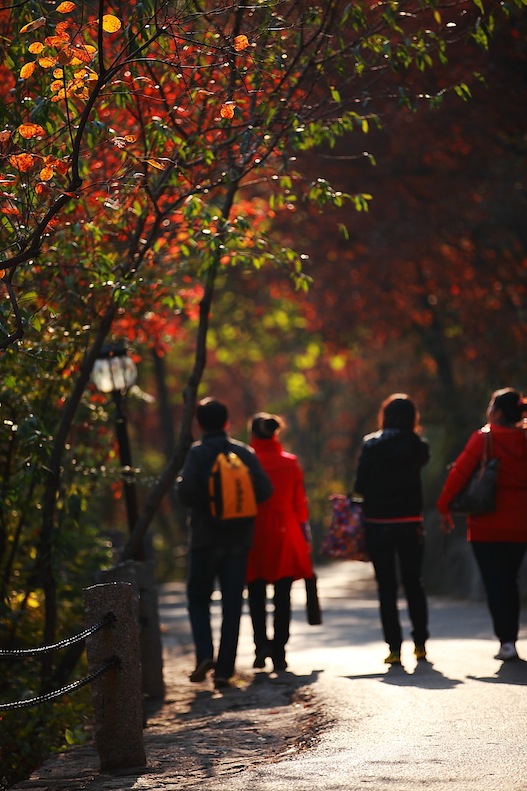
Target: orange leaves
227, 110
110, 23
76, 88
22, 162
31, 130
27, 70
58, 96
10, 211
47, 62
33, 25
58, 164
54, 223
46, 174
68, 53
122, 142
155, 164
84, 53
62, 8
65, 55
241, 43
50, 165
5, 136
61, 30
58, 40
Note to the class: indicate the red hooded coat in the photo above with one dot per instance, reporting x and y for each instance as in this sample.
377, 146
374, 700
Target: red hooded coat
279, 548
509, 520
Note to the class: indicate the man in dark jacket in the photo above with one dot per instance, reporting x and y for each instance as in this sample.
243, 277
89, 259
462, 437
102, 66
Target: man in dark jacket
216, 551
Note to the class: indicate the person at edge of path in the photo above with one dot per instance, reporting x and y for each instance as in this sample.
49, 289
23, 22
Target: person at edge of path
281, 549
499, 539
389, 481
216, 552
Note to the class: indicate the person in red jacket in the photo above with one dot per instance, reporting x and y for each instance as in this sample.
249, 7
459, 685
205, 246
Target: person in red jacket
280, 552
499, 539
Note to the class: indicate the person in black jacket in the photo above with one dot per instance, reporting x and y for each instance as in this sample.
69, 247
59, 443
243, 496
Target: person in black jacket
389, 481
217, 551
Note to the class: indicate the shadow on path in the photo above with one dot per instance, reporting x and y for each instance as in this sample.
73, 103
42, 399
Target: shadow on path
263, 690
424, 676
207, 733
512, 672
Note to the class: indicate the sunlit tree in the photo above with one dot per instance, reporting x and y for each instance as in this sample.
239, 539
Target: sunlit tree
143, 147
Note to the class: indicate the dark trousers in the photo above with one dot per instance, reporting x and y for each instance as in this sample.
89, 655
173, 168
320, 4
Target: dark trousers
499, 564
387, 544
228, 565
281, 615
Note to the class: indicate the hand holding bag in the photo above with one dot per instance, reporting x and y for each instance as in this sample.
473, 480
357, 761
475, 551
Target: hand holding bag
314, 613
479, 495
346, 538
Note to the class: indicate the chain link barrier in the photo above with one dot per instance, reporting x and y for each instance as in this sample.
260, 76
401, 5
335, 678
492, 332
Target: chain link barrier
114, 661
22, 704
47, 649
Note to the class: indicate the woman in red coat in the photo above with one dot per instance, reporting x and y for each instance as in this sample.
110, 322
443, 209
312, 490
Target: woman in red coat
498, 540
280, 552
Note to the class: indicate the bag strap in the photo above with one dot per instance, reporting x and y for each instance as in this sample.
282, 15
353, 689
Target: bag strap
487, 443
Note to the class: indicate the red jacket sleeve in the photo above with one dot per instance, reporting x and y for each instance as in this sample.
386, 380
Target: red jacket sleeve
461, 470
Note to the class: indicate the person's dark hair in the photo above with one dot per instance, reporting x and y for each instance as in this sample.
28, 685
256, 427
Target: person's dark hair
398, 411
211, 414
511, 403
265, 426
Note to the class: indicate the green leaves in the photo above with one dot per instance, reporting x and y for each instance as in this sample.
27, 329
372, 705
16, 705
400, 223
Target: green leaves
483, 31
321, 192
463, 91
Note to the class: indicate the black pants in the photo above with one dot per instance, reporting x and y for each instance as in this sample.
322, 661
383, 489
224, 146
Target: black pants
387, 544
228, 565
499, 564
281, 615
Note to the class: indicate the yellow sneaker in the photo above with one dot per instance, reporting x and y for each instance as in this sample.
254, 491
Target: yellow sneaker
420, 652
393, 658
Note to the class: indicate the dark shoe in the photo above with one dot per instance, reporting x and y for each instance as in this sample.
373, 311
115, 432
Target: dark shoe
221, 683
278, 658
260, 658
393, 658
201, 670
279, 665
261, 655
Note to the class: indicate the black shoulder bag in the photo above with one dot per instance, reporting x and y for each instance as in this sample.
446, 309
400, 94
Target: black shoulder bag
479, 495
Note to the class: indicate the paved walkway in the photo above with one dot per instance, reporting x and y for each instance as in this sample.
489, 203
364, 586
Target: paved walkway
339, 719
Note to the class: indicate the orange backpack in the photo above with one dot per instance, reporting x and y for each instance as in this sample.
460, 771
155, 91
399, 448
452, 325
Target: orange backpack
231, 490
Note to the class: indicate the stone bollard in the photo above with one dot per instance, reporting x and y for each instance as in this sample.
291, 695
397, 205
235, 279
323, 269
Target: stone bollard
150, 632
141, 575
116, 694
